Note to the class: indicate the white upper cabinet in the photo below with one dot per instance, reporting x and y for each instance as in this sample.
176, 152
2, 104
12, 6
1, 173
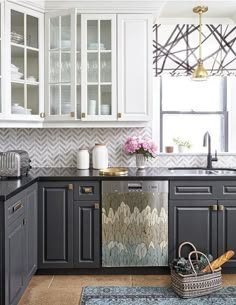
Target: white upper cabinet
134, 67
98, 66
74, 68
24, 63
60, 65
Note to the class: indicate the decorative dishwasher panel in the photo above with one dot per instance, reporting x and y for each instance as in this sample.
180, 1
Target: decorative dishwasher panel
134, 223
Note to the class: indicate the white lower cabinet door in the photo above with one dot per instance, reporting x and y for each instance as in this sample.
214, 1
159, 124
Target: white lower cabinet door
134, 67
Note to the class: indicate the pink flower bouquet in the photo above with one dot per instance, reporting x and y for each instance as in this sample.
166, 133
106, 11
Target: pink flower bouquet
135, 145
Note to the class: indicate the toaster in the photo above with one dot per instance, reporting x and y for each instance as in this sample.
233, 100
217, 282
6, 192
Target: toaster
14, 163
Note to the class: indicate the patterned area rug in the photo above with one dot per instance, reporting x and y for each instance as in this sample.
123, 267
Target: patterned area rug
151, 296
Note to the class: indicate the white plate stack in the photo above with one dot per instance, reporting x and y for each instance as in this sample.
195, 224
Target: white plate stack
15, 74
17, 109
105, 109
95, 45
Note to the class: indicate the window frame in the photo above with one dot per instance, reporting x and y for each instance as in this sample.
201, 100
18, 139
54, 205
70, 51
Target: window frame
224, 112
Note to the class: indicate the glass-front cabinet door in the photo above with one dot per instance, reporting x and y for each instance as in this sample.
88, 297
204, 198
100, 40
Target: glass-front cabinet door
60, 65
25, 61
98, 59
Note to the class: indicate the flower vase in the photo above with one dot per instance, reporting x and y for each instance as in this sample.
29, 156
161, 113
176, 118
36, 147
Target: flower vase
140, 161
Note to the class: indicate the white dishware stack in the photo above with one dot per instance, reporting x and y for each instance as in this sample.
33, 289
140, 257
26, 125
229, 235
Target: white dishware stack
17, 109
100, 156
105, 109
92, 105
83, 159
15, 74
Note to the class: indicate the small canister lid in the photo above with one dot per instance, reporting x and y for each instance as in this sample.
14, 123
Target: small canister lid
98, 144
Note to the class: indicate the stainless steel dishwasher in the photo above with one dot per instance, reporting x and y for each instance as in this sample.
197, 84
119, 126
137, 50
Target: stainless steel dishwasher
134, 223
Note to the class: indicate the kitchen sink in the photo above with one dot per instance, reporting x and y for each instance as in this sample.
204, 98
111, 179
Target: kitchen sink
186, 171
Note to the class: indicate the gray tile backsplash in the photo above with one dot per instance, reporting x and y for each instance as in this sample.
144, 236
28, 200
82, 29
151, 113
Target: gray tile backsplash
57, 147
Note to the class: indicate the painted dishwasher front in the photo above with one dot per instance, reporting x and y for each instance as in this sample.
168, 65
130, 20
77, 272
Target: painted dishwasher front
134, 223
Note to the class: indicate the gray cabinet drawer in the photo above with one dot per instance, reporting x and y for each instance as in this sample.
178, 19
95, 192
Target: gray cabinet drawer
227, 190
193, 189
87, 190
15, 207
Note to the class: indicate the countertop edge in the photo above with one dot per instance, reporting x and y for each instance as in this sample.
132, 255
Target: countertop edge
142, 176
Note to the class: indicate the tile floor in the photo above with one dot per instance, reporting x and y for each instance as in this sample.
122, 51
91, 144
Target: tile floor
66, 289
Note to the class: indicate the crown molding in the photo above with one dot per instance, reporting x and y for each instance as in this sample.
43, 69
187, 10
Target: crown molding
105, 6
37, 5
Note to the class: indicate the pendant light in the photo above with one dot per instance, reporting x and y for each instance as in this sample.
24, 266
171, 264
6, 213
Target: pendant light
200, 73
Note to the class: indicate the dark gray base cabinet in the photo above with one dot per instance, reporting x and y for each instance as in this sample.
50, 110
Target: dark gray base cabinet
20, 255
204, 213
55, 225
192, 221
69, 225
227, 229
86, 234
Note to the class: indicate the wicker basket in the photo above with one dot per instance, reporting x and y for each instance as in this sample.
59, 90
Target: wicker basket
196, 284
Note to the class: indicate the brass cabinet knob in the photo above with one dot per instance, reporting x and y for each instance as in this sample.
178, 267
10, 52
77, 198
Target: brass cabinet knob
70, 187
119, 115
42, 115
83, 115
214, 207
221, 207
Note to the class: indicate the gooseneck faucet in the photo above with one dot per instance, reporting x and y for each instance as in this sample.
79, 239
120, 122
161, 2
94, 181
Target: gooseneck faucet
210, 159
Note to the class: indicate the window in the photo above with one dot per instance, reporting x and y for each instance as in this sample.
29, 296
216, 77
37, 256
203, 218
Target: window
188, 109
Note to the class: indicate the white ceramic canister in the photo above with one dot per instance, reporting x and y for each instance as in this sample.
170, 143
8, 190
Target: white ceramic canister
83, 159
100, 156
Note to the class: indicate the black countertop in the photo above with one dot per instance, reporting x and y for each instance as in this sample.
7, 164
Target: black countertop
10, 186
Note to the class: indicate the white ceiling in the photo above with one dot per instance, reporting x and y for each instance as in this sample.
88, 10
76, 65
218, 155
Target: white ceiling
216, 9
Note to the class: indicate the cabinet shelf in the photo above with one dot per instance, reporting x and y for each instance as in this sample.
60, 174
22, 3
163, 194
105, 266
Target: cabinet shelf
24, 82
13, 44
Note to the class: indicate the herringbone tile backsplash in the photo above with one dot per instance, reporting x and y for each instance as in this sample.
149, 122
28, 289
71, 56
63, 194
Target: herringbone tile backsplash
58, 147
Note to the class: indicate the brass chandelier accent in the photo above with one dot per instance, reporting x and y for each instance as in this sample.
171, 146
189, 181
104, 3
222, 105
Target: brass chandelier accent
200, 73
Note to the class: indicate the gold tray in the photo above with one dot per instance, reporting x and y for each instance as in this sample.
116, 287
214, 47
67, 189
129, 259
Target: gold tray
114, 171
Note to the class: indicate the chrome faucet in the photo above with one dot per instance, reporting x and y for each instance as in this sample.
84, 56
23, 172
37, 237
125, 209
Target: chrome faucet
210, 159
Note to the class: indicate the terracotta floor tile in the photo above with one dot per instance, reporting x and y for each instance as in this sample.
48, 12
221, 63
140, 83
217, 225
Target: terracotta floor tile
151, 280
229, 279
40, 281
96, 280
45, 296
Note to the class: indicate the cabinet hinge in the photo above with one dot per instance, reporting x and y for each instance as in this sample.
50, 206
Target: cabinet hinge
83, 115
119, 115
42, 115
72, 114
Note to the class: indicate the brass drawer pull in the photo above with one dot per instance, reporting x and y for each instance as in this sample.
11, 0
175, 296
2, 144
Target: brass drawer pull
87, 189
119, 115
83, 115
18, 206
96, 206
214, 207
221, 207
70, 187
72, 114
